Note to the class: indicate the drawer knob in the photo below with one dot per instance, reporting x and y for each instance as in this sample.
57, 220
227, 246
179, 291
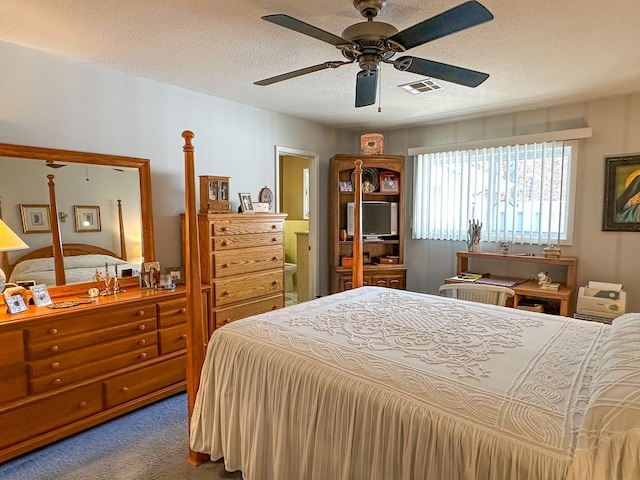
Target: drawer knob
143, 355
225, 243
226, 320
274, 239
226, 293
274, 227
82, 404
54, 348
140, 313
274, 283
53, 331
124, 389
275, 307
55, 365
183, 310
142, 342
226, 265
183, 336
142, 327
57, 381
224, 229
276, 258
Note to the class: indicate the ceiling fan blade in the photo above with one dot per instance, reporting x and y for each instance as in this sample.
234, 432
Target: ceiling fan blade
366, 86
442, 71
466, 15
295, 73
302, 27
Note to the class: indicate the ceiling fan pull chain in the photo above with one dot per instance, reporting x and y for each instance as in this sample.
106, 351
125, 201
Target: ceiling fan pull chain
380, 88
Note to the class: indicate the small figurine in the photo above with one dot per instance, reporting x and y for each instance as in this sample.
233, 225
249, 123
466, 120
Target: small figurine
544, 279
473, 235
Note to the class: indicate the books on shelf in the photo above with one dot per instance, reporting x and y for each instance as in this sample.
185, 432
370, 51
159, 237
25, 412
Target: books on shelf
550, 286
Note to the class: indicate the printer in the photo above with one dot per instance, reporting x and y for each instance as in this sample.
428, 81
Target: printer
602, 300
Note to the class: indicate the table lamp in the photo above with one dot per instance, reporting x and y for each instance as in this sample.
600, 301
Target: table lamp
8, 241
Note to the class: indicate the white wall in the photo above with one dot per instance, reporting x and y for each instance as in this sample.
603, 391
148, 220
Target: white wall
49, 101
603, 256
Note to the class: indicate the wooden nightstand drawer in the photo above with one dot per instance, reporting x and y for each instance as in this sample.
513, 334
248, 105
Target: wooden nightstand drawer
223, 316
173, 339
76, 358
236, 262
132, 385
56, 346
89, 321
245, 287
246, 241
72, 375
35, 418
172, 313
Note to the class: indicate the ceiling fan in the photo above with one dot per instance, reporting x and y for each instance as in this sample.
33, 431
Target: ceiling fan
370, 43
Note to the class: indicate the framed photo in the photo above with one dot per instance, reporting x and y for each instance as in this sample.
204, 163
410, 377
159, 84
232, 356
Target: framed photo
87, 218
177, 273
35, 218
40, 295
26, 283
346, 187
389, 182
146, 280
15, 304
621, 210
245, 202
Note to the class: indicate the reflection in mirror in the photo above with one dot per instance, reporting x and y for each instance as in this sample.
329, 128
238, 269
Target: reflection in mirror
89, 185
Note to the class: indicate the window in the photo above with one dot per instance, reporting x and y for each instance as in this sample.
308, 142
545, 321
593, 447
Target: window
520, 193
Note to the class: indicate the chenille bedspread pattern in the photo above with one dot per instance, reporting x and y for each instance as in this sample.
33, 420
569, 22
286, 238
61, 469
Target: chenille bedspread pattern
375, 383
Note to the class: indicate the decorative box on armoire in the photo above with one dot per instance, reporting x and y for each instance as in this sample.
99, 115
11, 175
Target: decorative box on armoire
242, 257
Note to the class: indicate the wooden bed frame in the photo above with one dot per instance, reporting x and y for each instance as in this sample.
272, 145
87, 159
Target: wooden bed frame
58, 250
196, 320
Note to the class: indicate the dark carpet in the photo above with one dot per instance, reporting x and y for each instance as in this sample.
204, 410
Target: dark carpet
149, 443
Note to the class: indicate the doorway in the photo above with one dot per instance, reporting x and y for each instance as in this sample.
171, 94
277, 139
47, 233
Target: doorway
296, 173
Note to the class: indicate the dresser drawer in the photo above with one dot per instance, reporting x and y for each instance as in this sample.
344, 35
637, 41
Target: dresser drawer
13, 376
247, 241
172, 313
91, 320
36, 418
223, 316
226, 227
236, 289
72, 375
59, 363
173, 339
55, 346
236, 262
132, 385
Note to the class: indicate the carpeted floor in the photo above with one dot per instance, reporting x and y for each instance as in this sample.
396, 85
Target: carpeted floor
148, 444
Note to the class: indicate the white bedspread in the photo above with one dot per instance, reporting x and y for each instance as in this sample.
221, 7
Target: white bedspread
380, 384
77, 268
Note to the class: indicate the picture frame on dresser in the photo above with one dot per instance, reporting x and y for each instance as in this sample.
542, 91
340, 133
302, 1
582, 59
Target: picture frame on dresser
246, 205
621, 210
15, 304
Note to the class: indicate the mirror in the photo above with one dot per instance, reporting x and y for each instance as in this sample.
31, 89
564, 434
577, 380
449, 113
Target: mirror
83, 181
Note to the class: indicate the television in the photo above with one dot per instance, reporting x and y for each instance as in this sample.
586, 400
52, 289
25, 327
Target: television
379, 219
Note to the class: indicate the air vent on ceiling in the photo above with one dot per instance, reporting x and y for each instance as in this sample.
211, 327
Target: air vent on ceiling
421, 86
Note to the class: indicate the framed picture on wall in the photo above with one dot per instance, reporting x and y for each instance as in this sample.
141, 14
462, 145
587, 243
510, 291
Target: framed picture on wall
87, 218
35, 218
621, 211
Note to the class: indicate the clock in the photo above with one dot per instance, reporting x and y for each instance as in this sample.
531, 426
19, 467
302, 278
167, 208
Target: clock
214, 194
266, 196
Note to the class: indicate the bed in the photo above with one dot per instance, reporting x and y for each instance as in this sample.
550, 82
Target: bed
80, 264
375, 383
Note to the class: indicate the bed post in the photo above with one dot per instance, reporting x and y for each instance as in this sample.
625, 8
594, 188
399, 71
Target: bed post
356, 276
123, 243
56, 239
4, 259
195, 329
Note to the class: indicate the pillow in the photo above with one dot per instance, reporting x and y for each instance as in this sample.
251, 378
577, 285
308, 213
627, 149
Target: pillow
608, 444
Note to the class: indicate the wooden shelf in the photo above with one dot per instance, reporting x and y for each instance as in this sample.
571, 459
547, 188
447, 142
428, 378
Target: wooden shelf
564, 295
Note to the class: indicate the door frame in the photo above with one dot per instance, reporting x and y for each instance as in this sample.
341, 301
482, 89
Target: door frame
314, 160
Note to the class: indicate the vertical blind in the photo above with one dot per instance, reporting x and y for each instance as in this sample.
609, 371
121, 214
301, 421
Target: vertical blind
520, 193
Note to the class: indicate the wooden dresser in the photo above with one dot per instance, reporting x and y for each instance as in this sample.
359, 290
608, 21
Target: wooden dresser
64, 370
242, 257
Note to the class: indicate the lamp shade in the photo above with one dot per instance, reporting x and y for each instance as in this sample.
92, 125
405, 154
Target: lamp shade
9, 240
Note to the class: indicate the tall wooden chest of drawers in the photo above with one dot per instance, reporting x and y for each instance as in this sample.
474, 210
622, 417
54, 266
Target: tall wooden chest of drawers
242, 257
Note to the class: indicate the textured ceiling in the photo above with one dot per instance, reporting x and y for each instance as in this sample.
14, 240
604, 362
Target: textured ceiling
538, 52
